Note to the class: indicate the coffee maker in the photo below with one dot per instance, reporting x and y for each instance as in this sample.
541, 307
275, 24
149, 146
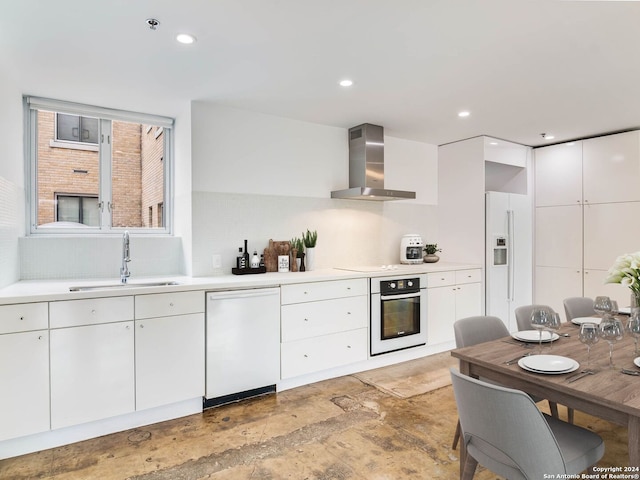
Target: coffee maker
411, 249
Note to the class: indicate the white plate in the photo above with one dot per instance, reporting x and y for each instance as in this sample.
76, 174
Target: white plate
534, 336
581, 320
550, 364
624, 310
636, 361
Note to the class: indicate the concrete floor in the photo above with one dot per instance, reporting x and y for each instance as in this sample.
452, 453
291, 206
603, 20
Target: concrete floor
337, 429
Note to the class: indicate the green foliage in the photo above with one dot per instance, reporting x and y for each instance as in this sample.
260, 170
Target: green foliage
298, 244
431, 248
310, 238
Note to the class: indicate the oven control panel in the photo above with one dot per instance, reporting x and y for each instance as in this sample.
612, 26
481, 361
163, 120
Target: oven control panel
399, 286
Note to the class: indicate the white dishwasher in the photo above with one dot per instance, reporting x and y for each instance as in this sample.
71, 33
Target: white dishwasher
243, 344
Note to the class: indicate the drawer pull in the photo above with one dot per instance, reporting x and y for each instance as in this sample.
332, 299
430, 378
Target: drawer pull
171, 304
39, 337
306, 356
306, 319
141, 326
305, 293
348, 288
21, 318
348, 346
93, 312
348, 313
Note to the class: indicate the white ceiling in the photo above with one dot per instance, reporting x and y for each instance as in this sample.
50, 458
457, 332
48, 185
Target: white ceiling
567, 68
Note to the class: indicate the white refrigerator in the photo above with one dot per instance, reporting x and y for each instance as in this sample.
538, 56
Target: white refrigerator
509, 255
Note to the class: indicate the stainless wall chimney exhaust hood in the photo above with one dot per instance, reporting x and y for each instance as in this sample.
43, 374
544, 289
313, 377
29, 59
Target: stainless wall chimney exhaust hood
366, 167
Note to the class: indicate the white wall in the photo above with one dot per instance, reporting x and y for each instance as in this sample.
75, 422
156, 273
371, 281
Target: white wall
261, 177
12, 203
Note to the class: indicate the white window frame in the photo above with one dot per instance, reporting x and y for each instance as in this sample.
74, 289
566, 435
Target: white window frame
106, 116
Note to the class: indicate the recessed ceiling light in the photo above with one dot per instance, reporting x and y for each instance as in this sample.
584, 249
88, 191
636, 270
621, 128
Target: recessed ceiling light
493, 143
464, 114
185, 38
346, 83
570, 144
549, 137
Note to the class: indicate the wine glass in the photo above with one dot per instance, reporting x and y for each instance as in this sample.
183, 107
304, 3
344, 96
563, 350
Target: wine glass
611, 330
539, 320
633, 327
589, 335
602, 305
553, 325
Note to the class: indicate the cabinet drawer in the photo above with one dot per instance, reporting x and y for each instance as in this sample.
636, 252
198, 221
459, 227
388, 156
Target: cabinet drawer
24, 317
167, 304
320, 353
73, 313
304, 320
468, 276
311, 292
441, 279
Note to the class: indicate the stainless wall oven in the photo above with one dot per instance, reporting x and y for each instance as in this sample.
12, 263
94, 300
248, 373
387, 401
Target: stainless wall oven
398, 313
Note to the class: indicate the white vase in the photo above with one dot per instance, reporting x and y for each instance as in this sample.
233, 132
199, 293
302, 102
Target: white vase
310, 258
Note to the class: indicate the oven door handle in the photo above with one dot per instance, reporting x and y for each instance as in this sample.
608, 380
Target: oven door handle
399, 297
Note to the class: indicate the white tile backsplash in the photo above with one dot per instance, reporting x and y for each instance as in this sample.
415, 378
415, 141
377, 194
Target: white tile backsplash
98, 257
11, 215
350, 232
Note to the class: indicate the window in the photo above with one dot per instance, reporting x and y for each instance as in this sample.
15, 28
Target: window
74, 128
78, 209
96, 170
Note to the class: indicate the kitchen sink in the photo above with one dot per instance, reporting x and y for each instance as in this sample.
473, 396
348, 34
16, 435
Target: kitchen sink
115, 286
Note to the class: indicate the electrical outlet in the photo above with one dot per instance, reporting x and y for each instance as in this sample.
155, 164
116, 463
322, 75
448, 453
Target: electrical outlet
216, 261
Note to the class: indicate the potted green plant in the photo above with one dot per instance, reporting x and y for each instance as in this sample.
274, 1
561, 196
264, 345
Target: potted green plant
430, 250
310, 239
297, 252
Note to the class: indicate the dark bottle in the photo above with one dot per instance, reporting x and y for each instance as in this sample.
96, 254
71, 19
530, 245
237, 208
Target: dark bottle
240, 263
262, 260
245, 256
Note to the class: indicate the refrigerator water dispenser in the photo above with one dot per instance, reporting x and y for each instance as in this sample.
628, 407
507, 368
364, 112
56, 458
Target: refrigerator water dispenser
500, 250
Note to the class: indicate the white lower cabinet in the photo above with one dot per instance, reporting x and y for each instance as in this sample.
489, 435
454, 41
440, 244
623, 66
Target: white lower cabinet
169, 359
92, 373
326, 351
24, 380
451, 296
323, 325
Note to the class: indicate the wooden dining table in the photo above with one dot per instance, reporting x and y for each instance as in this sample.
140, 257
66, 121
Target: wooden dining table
608, 394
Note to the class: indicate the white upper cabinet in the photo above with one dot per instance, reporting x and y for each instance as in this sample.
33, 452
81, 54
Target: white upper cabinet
558, 175
611, 168
507, 153
558, 236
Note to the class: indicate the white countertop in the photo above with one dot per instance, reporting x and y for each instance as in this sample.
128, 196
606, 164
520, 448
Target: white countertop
51, 290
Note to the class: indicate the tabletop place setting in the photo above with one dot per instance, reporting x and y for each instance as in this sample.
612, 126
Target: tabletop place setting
606, 326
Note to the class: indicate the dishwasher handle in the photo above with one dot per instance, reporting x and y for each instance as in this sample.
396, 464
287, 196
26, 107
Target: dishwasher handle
250, 293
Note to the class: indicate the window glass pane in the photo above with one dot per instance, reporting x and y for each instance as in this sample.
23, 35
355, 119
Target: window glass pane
69, 209
68, 127
137, 171
90, 212
73, 171
89, 128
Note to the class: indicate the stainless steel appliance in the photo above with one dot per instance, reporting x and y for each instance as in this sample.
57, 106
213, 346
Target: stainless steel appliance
411, 249
366, 167
398, 313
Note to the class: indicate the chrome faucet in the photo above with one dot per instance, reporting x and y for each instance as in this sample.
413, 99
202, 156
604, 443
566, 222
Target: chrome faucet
126, 258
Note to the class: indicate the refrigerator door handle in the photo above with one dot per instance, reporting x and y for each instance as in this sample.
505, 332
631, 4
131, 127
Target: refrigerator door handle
511, 259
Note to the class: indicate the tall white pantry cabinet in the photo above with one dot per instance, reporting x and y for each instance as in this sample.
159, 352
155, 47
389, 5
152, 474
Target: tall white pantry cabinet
587, 209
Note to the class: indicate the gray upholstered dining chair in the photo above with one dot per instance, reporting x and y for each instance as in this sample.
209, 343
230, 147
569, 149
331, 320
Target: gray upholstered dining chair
523, 315
503, 430
479, 329
578, 307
